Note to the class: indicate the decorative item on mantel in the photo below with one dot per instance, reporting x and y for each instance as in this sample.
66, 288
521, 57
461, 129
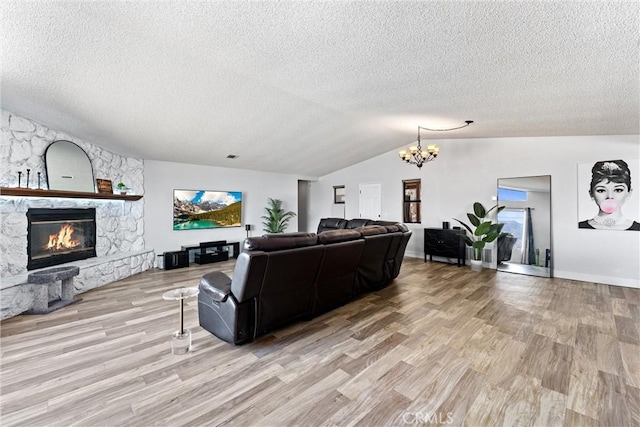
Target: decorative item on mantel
104, 186
416, 155
122, 188
28, 178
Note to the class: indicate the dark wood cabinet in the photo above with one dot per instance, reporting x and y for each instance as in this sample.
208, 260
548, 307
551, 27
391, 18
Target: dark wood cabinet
444, 243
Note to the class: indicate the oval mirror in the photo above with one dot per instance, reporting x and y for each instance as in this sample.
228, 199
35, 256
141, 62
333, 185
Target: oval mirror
68, 167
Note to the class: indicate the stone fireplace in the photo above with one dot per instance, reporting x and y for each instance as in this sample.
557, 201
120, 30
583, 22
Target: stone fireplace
113, 236
58, 236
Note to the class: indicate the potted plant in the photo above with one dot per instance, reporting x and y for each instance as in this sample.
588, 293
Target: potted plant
122, 187
484, 231
276, 219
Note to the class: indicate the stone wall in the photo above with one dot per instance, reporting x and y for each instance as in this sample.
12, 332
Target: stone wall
120, 246
23, 145
120, 224
119, 227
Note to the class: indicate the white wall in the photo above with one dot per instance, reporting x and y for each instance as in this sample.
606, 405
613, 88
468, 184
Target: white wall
161, 178
467, 171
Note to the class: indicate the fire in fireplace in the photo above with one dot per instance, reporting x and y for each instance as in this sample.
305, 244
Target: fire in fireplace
57, 236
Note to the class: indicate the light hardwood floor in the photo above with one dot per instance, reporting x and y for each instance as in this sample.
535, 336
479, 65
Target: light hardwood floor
441, 345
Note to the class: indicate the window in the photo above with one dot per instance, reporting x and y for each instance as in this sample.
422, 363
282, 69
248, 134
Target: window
507, 194
411, 203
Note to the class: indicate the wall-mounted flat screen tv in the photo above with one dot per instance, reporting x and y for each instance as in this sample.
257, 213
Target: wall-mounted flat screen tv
198, 209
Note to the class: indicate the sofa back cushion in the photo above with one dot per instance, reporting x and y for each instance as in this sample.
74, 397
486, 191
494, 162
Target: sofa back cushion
357, 223
397, 263
371, 268
391, 228
284, 235
248, 274
273, 242
336, 236
380, 222
336, 278
331, 224
371, 230
390, 259
288, 286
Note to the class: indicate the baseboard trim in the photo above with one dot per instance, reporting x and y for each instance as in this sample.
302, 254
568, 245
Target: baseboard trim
605, 280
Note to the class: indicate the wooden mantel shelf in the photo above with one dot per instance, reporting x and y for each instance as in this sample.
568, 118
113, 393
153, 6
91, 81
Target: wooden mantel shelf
30, 192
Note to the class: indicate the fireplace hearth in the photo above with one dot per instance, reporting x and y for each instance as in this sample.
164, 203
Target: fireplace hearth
58, 236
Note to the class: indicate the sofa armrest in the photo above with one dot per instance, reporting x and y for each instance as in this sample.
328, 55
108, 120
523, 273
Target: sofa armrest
216, 285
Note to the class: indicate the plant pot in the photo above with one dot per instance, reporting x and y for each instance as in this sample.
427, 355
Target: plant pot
476, 265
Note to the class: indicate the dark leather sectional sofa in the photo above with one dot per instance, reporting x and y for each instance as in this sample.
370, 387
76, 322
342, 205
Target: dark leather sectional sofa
280, 278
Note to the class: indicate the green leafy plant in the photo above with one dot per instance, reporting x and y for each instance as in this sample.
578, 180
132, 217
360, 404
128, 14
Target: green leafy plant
122, 188
484, 230
276, 219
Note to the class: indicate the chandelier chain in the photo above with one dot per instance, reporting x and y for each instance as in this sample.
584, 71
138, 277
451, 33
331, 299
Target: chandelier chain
418, 155
467, 123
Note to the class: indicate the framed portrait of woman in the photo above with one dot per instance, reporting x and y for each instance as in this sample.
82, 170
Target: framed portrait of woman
608, 195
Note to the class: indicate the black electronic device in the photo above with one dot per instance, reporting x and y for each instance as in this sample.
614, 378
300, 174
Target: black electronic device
176, 259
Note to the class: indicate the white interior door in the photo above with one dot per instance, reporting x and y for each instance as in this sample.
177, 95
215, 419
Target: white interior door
371, 201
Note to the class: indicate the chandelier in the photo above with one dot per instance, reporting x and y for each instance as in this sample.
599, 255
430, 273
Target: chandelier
417, 155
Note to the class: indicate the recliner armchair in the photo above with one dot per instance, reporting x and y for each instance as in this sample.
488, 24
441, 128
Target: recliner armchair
326, 224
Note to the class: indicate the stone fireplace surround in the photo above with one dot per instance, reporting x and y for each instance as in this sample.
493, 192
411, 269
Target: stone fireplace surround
120, 224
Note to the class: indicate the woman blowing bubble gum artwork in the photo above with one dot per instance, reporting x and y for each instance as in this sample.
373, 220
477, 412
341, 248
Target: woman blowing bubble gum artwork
610, 188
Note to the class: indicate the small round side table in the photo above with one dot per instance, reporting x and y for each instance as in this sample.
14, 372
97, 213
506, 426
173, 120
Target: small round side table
181, 339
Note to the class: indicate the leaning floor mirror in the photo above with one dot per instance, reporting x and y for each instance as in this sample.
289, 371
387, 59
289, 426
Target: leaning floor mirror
525, 244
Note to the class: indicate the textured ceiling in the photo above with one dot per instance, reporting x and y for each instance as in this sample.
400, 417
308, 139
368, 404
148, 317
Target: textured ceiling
311, 87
